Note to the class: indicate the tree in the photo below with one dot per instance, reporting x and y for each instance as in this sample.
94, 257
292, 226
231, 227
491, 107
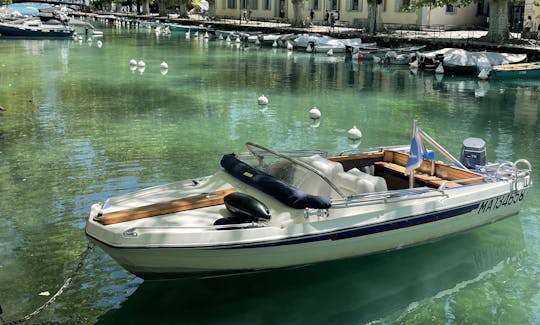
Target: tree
299, 16
498, 31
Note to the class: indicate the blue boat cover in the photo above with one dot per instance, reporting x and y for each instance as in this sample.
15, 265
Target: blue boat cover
280, 190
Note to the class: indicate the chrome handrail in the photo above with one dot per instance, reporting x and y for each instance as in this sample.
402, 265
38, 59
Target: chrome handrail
396, 195
132, 232
297, 162
458, 181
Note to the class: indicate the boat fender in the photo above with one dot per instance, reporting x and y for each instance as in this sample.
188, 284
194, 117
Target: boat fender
244, 205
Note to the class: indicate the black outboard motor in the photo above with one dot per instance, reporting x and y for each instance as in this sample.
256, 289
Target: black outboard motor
243, 208
473, 153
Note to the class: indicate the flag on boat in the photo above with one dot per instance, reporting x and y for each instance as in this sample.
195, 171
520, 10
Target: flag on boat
417, 152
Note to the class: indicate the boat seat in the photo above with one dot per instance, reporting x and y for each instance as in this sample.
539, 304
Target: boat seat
310, 182
350, 183
424, 178
378, 182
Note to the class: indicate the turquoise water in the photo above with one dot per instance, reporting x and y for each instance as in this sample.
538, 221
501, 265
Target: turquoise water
80, 126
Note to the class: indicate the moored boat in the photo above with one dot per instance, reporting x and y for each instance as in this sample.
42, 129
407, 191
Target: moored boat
462, 62
516, 71
268, 209
35, 28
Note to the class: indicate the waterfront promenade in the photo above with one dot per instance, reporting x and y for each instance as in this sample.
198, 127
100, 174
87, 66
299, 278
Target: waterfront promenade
389, 37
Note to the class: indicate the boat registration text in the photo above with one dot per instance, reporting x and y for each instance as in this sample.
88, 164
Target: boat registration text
502, 201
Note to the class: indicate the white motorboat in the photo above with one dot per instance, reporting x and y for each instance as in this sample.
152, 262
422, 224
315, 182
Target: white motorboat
315, 43
267, 209
36, 27
459, 61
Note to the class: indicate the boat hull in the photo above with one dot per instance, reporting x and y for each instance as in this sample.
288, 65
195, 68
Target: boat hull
8, 30
305, 243
516, 71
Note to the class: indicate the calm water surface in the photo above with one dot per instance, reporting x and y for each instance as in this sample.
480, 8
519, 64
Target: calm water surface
80, 126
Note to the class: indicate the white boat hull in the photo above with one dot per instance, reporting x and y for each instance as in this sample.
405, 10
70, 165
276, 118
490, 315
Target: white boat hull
382, 227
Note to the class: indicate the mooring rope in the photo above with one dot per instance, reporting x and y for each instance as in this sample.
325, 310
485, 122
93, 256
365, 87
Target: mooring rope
66, 284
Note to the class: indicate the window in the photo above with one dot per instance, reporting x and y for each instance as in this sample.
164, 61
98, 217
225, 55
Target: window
231, 4
243, 4
480, 8
266, 5
253, 4
404, 5
354, 5
450, 9
315, 4
334, 5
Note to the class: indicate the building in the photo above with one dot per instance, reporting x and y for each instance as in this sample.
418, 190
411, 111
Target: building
355, 12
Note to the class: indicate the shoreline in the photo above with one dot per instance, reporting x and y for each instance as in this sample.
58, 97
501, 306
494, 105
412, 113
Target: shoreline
432, 39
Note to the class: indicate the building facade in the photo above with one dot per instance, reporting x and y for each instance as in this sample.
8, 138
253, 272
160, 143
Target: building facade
355, 12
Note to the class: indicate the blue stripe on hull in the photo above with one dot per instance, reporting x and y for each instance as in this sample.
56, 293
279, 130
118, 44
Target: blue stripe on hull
357, 232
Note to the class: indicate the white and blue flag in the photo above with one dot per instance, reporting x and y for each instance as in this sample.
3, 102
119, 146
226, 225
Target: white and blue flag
417, 152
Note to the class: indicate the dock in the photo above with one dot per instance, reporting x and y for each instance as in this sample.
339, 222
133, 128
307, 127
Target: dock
389, 37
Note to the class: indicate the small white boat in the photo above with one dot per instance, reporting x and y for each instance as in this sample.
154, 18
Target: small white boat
269, 209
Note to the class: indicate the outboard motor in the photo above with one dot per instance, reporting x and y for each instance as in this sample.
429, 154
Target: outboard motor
473, 152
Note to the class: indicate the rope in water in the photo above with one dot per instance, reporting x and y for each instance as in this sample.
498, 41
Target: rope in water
66, 284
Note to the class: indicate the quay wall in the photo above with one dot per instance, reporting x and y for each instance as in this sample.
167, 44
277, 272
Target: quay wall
386, 39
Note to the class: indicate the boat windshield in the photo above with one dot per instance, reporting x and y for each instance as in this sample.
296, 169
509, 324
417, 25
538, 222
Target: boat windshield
291, 167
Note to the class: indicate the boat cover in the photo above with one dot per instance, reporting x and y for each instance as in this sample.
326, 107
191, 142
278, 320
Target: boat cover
280, 190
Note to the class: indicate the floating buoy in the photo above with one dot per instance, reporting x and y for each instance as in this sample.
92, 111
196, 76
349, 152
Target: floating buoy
309, 48
196, 34
414, 64
274, 44
164, 65
228, 39
262, 100
132, 62
206, 35
440, 69
376, 59
483, 75
99, 44
220, 37
289, 46
314, 113
354, 134
188, 34
360, 57
330, 52
141, 63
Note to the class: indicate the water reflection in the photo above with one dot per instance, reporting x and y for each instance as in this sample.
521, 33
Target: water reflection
80, 128
375, 288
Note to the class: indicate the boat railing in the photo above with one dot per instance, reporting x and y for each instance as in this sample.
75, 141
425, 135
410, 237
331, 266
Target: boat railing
511, 170
387, 196
505, 170
136, 231
297, 153
463, 181
251, 146
350, 152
